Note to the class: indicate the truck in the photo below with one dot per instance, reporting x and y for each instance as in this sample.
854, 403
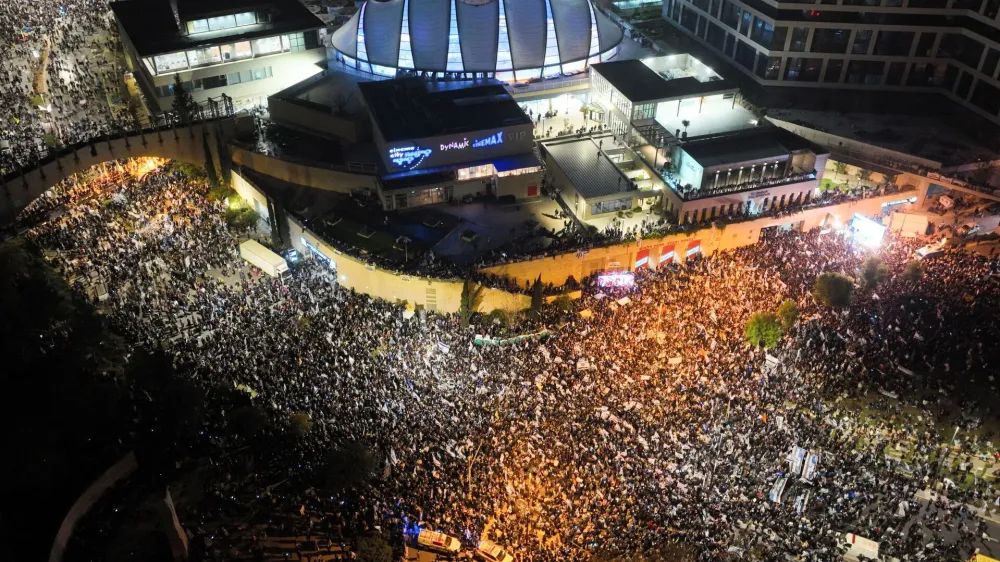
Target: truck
265, 260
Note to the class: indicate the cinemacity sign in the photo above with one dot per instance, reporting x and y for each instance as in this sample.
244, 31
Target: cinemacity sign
412, 156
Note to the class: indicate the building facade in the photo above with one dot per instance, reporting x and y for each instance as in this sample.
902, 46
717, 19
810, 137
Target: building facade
246, 52
951, 47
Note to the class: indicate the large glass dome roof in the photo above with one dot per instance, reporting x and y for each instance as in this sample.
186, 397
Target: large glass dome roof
513, 40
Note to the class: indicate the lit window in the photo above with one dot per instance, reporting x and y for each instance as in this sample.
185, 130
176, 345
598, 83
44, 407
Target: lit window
246, 18
236, 51
233, 78
171, 62
207, 55
197, 26
504, 62
267, 45
454, 47
221, 22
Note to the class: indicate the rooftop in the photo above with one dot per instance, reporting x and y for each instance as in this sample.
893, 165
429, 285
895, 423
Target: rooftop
760, 143
588, 167
662, 78
922, 136
152, 28
411, 108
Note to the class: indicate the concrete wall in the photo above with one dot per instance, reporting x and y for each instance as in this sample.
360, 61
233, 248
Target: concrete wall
183, 143
432, 294
556, 269
251, 195
315, 121
304, 174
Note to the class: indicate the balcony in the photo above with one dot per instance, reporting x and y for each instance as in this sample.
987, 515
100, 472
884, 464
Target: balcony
694, 193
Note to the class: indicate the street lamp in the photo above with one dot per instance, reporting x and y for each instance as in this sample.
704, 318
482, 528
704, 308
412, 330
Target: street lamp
406, 248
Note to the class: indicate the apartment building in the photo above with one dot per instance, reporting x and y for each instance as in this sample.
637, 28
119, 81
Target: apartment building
951, 47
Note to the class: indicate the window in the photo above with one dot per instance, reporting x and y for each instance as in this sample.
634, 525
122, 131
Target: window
778, 43
762, 33
731, 14
986, 97
745, 24
233, 78
799, 37
925, 44
689, 19
259, 73
861, 40
207, 55
165, 90
221, 22
715, 36
611, 206
214, 82
246, 18
236, 51
486, 170
895, 75
171, 62
803, 69
964, 83
830, 41
865, 72
197, 26
768, 67
745, 55
894, 43
729, 44
294, 42
267, 45
961, 48
644, 111
990, 63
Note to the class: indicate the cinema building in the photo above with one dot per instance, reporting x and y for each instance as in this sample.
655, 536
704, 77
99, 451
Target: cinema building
509, 40
435, 141
246, 50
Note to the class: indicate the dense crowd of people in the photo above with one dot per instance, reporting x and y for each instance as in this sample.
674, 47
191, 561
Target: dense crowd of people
644, 420
56, 77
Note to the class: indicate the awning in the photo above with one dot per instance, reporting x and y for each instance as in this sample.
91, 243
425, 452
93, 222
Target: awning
694, 247
667, 253
642, 258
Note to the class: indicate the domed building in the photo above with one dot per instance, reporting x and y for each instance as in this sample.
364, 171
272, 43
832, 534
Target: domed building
510, 40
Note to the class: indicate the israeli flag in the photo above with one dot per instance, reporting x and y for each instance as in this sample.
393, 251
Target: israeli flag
443, 346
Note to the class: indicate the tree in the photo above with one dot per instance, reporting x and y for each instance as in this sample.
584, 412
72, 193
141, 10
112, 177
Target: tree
241, 217
914, 271
184, 105
499, 316
537, 297
839, 168
374, 548
788, 314
686, 124
764, 329
873, 272
864, 175
833, 289
472, 299
346, 466
299, 424
563, 303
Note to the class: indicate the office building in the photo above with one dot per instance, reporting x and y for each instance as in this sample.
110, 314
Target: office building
510, 40
244, 50
949, 47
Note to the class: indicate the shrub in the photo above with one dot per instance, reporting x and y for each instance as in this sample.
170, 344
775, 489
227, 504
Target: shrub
873, 272
788, 314
833, 289
764, 329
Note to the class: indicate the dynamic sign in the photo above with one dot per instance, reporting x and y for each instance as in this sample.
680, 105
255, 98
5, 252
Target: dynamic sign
616, 279
408, 156
411, 156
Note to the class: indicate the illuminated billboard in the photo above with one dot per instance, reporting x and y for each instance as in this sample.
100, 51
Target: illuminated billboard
437, 151
866, 231
616, 279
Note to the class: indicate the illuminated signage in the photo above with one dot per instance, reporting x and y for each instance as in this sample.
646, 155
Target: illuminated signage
492, 140
616, 279
866, 231
408, 156
411, 156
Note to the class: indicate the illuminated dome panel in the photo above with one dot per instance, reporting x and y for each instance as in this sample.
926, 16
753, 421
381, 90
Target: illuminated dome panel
514, 40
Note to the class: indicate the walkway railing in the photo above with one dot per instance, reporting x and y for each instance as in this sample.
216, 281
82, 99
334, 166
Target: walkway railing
694, 193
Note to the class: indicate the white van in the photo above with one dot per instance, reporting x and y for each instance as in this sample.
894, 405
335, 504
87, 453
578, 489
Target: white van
438, 542
489, 551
